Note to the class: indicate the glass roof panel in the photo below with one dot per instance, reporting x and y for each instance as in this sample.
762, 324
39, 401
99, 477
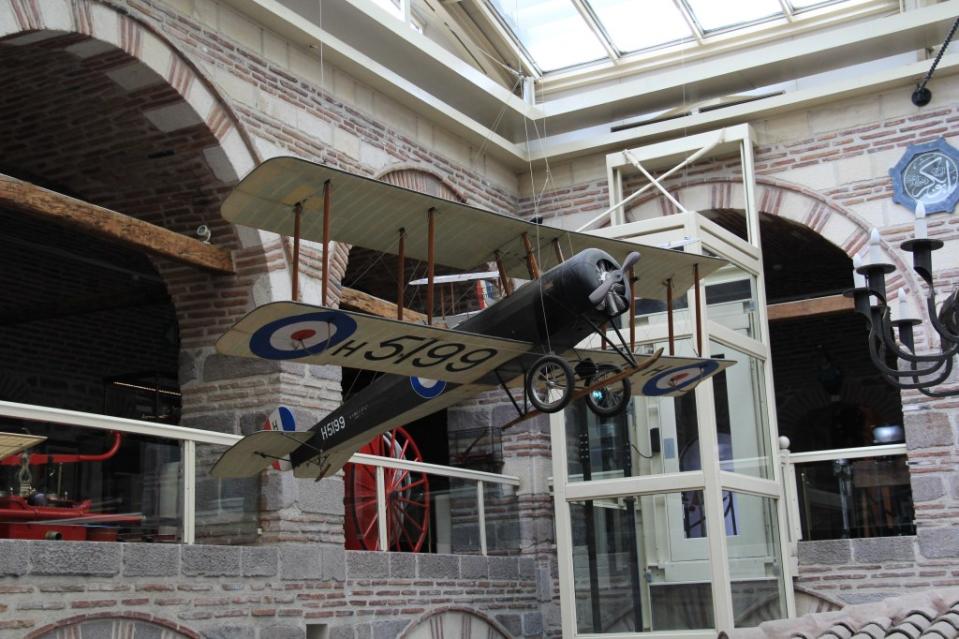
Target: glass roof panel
712, 15
807, 4
635, 25
391, 6
552, 31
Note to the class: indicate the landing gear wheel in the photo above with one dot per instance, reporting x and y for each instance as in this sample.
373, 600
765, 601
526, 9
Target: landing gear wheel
549, 384
609, 400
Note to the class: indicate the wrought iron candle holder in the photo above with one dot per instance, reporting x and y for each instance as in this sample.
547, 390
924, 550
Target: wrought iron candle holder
922, 372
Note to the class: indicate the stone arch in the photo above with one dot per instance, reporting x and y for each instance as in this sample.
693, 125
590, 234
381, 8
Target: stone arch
838, 225
118, 624
423, 179
38, 20
458, 621
137, 56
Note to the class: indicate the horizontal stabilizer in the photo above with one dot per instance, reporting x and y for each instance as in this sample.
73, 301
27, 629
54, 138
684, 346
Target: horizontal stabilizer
319, 335
257, 452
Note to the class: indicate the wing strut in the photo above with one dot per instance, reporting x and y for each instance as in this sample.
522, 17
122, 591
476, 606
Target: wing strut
559, 251
430, 263
503, 275
327, 212
531, 264
401, 275
669, 317
297, 214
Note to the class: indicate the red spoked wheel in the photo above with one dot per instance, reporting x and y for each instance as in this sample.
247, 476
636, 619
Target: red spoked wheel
407, 498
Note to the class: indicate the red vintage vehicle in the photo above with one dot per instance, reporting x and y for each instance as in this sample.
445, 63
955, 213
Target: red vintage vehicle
36, 515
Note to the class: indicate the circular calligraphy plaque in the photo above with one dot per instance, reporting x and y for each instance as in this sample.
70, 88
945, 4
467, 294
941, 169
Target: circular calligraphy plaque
930, 177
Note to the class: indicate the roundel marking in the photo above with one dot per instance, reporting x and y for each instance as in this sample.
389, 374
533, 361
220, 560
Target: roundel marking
676, 379
301, 335
281, 419
427, 388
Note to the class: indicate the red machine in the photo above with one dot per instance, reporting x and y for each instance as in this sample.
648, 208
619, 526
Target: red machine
35, 515
407, 498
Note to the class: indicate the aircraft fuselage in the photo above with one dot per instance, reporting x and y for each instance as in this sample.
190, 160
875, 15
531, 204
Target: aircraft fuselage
553, 312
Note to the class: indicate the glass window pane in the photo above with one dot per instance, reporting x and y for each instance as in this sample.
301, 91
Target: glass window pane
655, 435
731, 300
91, 485
390, 6
552, 31
226, 509
808, 4
501, 509
713, 15
635, 569
741, 424
754, 560
640, 25
855, 498
424, 512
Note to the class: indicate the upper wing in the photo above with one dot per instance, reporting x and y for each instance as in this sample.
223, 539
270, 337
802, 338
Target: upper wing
370, 213
319, 335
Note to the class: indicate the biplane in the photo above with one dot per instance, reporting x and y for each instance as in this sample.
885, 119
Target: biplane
526, 344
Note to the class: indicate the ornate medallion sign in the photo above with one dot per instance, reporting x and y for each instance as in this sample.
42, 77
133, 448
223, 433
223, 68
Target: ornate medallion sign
927, 173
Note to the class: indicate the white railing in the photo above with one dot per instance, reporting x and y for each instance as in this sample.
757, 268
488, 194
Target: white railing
790, 461
190, 437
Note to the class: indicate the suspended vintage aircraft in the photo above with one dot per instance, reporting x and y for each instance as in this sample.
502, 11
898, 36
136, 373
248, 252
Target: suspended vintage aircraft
528, 339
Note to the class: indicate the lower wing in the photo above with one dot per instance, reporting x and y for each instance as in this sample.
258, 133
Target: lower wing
653, 375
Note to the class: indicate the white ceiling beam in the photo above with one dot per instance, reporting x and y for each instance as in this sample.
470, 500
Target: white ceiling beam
560, 147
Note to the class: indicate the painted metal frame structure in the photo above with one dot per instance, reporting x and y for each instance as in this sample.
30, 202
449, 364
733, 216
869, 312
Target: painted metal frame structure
700, 235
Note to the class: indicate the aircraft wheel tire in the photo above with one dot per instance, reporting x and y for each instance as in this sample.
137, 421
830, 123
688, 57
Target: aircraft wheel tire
611, 400
549, 384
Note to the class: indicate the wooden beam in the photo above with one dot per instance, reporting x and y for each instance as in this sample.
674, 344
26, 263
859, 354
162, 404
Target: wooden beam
116, 227
360, 301
809, 307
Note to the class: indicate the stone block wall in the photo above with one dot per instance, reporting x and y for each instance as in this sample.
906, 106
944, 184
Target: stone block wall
266, 592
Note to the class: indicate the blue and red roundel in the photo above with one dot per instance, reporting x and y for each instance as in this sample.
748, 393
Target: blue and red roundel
427, 388
678, 378
301, 335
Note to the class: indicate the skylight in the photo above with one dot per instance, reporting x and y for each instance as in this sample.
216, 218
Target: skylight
713, 16
552, 32
633, 26
557, 34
